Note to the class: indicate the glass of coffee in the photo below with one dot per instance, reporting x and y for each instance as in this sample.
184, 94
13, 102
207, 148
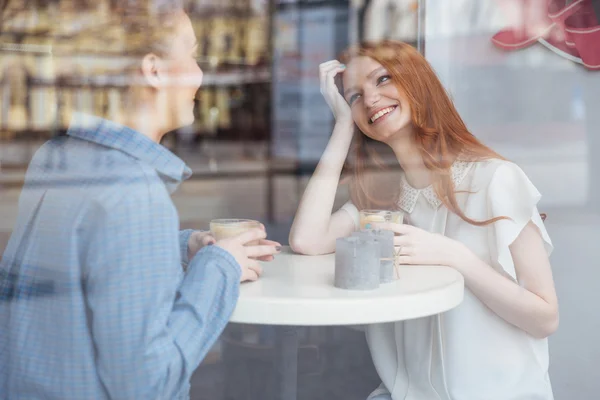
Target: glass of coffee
229, 227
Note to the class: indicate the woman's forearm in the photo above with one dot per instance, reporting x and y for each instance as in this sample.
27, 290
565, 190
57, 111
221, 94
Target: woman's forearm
311, 227
512, 302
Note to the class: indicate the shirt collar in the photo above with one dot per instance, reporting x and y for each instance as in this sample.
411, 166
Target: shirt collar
129, 141
409, 195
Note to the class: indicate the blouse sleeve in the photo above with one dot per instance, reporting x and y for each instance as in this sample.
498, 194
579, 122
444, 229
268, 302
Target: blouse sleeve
511, 194
353, 212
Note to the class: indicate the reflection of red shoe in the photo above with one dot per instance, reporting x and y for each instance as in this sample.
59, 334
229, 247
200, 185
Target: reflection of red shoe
574, 33
561, 48
582, 31
522, 37
558, 12
510, 39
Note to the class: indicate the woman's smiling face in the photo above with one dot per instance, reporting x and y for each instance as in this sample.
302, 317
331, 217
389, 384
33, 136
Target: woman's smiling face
379, 108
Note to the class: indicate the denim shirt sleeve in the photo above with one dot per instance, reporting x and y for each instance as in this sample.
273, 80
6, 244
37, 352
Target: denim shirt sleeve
151, 324
184, 238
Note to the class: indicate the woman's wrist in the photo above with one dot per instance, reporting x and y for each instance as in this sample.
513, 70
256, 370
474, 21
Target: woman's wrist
462, 258
344, 123
198, 240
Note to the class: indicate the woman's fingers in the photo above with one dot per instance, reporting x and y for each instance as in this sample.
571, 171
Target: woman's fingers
257, 251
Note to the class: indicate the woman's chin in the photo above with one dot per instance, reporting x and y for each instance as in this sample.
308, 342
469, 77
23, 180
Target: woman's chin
382, 135
184, 119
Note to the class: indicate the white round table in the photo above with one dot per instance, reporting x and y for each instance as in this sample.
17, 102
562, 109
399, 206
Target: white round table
297, 290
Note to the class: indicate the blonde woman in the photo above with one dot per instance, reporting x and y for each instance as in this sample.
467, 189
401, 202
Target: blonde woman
94, 302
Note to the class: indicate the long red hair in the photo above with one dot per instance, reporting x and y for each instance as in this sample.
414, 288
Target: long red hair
440, 132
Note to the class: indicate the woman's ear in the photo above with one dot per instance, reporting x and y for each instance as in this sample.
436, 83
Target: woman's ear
152, 70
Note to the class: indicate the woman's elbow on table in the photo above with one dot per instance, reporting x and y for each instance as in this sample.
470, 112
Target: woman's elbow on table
305, 245
300, 245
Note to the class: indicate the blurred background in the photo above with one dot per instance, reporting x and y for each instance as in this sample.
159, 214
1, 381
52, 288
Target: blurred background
261, 126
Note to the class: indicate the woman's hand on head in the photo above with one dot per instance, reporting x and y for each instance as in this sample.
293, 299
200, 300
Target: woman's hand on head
336, 102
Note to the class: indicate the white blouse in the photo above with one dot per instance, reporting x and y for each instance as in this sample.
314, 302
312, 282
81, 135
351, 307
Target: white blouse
468, 353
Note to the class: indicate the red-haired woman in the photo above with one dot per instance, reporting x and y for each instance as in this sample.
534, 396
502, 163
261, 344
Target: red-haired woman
464, 206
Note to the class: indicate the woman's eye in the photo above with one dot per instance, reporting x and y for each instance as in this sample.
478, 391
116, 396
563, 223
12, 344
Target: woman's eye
353, 98
383, 79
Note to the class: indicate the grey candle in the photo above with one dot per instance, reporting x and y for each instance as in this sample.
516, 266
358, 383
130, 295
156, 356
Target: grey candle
385, 241
356, 263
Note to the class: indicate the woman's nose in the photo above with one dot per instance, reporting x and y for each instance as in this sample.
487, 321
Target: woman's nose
371, 98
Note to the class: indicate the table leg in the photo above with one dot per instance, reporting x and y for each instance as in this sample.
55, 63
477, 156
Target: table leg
287, 363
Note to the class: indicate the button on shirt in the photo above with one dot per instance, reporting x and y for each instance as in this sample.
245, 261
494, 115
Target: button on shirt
94, 303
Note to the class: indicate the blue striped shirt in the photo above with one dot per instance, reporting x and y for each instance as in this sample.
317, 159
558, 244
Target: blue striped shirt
94, 302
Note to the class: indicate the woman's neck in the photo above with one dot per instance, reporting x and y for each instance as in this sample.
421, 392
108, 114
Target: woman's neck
409, 157
143, 119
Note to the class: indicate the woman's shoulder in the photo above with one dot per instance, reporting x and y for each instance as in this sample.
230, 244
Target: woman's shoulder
502, 180
491, 164
495, 169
